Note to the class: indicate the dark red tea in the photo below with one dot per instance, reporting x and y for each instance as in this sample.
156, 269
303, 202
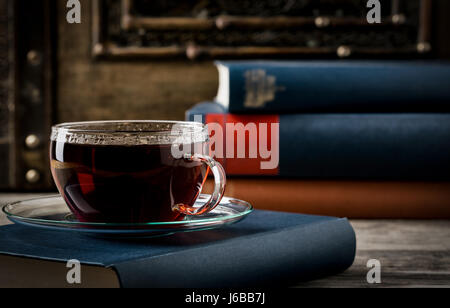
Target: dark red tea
125, 184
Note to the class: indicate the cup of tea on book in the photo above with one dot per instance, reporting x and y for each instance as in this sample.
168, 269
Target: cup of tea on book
134, 171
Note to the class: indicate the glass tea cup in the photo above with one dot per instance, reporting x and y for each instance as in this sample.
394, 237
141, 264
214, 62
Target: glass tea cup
134, 171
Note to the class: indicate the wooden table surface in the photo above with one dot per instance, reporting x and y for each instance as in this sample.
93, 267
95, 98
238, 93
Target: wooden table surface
412, 253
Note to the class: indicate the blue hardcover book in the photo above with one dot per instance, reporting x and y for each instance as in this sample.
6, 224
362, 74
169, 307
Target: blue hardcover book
265, 249
333, 86
392, 146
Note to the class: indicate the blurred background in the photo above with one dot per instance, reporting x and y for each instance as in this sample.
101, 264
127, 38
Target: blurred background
154, 59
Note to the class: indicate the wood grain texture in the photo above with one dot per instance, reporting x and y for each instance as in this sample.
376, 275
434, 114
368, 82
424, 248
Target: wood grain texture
413, 253
102, 90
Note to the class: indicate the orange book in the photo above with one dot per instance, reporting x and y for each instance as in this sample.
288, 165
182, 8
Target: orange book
390, 200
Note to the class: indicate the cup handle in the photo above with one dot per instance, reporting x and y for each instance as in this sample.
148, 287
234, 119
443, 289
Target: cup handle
219, 189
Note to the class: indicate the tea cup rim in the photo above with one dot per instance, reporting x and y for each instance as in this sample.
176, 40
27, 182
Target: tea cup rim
158, 132
77, 127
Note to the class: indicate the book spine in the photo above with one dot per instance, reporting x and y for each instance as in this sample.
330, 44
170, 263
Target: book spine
335, 146
379, 146
278, 259
351, 199
259, 87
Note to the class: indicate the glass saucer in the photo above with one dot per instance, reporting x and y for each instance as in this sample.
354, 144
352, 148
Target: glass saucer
53, 213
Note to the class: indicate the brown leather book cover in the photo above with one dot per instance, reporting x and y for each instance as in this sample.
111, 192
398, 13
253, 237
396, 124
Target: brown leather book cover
390, 200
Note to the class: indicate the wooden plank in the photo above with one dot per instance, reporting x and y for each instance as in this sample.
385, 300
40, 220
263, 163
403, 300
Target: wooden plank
398, 269
242, 22
413, 253
402, 235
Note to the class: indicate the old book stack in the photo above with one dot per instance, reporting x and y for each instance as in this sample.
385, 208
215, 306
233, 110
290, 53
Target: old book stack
359, 139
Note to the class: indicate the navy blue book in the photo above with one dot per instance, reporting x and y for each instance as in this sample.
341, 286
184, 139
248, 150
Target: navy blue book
265, 249
333, 86
394, 146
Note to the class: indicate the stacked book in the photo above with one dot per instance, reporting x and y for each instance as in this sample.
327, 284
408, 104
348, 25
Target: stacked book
360, 139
